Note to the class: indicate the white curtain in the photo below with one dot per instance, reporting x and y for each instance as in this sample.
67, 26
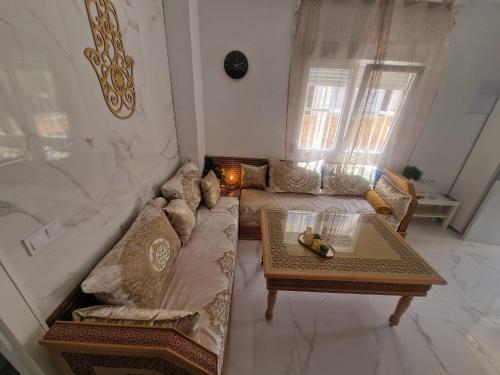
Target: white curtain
363, 77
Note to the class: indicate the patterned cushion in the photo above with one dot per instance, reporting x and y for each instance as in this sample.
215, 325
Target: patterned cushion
252, 201
184, 185
183, 321
181, 217
336, 182
293, 177
134, 271
397, 199
204, 272
210, 186
253, 177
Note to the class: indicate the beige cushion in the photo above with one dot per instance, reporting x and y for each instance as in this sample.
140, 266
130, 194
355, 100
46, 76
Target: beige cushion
160, 201
210, 186
135, 270
183, 321
184, 185
181, 217
252, 201
338, 182
396, 198
253, 177
203, 277
293, 177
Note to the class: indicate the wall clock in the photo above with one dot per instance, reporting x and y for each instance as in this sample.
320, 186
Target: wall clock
236, 64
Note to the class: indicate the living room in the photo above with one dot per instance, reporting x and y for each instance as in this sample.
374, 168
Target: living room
237, 131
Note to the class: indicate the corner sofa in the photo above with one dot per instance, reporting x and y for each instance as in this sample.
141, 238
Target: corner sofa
200, 280
252, 200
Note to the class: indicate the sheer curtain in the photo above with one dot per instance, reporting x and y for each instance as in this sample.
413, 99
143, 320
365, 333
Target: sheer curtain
363, 77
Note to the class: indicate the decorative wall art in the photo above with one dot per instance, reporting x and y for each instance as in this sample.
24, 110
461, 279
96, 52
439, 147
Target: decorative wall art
113, 66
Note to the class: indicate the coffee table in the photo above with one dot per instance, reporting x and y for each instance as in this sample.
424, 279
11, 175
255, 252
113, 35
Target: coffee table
370, 258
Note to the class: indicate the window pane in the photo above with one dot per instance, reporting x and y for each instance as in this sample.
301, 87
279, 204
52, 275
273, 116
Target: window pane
379, 108
325, 99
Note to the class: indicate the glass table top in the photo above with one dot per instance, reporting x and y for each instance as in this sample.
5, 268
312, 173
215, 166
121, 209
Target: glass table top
366, 248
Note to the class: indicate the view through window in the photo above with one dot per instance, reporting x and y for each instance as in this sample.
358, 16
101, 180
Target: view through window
324, 107
336, 103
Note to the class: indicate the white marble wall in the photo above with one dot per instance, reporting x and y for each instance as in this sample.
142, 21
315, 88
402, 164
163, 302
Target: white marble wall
62, 152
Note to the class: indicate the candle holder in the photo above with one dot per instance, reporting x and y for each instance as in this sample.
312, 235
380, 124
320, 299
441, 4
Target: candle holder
231, 180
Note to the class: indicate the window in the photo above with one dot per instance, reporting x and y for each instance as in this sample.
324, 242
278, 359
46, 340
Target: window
325, 100
336, 103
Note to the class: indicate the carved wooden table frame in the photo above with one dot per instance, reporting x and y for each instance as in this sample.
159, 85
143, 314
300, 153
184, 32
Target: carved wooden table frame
406, 287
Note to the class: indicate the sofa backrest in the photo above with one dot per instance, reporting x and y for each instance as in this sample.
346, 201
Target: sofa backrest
233, 165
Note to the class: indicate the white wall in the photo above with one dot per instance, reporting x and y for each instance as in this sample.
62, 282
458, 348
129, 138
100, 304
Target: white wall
478, 172
20, 328
485, 226
183, 39
100, 170
450, 131
246, 117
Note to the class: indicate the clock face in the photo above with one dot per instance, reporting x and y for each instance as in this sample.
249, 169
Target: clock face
236, 64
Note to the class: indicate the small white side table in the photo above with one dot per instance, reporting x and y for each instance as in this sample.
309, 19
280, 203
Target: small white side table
438, 206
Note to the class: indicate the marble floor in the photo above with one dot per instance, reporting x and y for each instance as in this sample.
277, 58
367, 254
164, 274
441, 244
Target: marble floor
454, 330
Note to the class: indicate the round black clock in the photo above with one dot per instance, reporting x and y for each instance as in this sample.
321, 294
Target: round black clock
236, 64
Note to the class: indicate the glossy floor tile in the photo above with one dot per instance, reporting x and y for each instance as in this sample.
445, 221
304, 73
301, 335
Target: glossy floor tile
454, 330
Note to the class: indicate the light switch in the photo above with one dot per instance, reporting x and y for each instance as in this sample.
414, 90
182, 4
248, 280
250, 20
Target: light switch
54, 228
40, 238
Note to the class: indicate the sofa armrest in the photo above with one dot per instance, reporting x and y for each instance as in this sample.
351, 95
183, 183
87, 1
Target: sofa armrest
405, 185
83, 348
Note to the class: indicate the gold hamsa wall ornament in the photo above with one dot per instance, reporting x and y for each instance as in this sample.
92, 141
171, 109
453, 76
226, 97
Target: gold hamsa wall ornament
113, 67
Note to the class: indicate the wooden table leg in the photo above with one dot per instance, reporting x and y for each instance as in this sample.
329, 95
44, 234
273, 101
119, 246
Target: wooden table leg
271, 301
403, 304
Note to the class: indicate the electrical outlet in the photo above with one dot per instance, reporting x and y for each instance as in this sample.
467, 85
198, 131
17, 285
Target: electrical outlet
40, 238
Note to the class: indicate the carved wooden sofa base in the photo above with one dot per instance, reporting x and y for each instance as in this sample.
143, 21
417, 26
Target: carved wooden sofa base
249, 233
84, 349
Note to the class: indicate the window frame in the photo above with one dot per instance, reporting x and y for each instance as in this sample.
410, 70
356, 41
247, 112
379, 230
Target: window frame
363, 87
360, 71
347, 101
356, 68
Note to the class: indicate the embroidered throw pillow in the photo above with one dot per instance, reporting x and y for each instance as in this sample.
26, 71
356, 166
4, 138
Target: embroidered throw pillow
183, 321
293, 177
397, 199
184, 185
181, 217
253, 177
338, 182
210, 186
134, 272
